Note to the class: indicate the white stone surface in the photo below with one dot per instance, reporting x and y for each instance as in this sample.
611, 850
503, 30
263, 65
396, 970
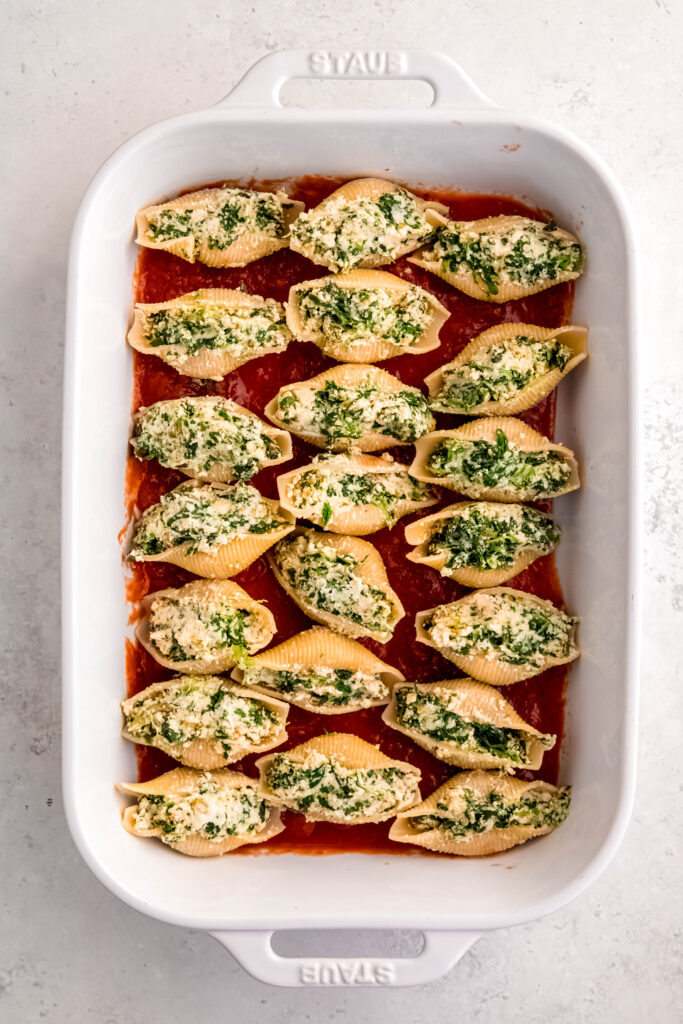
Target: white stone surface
78, 79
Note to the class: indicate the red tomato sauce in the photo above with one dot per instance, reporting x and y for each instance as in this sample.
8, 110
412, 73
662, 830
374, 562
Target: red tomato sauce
540, 701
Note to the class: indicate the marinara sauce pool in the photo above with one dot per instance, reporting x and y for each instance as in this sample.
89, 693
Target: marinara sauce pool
540, 701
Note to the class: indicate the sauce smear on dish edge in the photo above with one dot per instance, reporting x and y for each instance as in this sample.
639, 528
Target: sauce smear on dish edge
160, 276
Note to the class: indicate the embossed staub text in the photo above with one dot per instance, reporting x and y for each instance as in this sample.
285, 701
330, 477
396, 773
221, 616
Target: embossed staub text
372, 63
347, 972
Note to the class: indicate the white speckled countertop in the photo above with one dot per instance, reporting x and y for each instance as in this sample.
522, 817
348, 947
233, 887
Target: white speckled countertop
80, 78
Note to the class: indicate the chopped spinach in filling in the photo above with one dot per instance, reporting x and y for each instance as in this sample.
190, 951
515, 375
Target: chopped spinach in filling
485, 537
213, 812
352, 232
341, 412
322, 687
322, 787
479, 466
196, 434
187, 629
200, 518
503, 627
528, 254
199, 708
353, 316
323, 491
241, 330
484, 813
429, 713
330, 581
221, 218
499, 373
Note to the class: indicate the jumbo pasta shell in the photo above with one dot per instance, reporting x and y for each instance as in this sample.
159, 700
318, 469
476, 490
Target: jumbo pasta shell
490, 669
476, 845
211, 363
420, 532
352, 375
207, 754
573, 338
182, 782
373, 349
371, 571
217, 592
231, 558
372, 189
219, 472
250, 246
317, 648
517, 433
355, 520
467, 282
350, 752
474, 702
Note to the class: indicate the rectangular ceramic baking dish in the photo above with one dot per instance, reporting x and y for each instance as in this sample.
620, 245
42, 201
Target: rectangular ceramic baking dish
462, 141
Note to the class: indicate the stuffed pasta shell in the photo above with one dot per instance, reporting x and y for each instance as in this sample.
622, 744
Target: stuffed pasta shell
204, 721
500, 636
210, 332
482, 543
368, 222
338, 581
320, 671
352, 405
221, 227
339, 777
200, 814
353, 493
501, 258
467, 724
497, 459
208, 438
207, 626
477, 813
212, 530
506, 370
365, 316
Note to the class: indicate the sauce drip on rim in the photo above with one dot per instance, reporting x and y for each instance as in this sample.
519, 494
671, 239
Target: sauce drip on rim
540, 701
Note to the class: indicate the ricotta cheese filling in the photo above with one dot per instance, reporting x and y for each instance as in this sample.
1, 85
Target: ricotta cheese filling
356, 316
320, 686
338, 411
499, 373
321, 786
503, 627
439, 715
483, 537
200, 518
323, 491
195, 434
199, 326
330, 581
213, 812
221, 217
479, 466
349, 232
200, 708
528, 254
189, 629
468, 813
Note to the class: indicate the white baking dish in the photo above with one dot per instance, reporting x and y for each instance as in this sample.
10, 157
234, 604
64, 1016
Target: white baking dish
462, 141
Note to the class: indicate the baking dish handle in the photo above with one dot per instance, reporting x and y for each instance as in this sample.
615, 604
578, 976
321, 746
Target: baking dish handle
261, 85
254, 952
